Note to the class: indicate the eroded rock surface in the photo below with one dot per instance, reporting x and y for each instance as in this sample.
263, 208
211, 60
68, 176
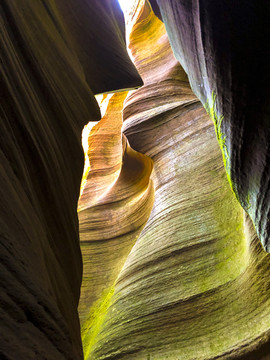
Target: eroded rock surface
173, 268
115, 204
45, 102
224, 48
195, 285
97, 32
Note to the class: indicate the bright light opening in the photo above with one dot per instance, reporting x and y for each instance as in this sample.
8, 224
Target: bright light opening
126, 5
130, 8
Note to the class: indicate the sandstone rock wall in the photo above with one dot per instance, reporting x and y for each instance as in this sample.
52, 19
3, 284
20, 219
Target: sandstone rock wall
195, 283
223, 46
45, 102
173, 267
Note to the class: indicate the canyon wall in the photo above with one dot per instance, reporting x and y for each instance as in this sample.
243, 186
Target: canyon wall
172, 265
195, 283
224, 48
46, 99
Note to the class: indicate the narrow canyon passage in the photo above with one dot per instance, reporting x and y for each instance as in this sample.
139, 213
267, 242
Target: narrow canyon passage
157, 248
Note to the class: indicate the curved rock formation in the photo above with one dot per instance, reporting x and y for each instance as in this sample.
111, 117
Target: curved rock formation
115, 204
45, 102
224, 48
97, 32
195, 285
173, 268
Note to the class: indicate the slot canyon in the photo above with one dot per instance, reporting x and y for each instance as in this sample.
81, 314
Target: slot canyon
135, 180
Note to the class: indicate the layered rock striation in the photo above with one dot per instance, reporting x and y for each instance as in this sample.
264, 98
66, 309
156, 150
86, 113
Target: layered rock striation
195, 283
172, 265
223, 46
114, 206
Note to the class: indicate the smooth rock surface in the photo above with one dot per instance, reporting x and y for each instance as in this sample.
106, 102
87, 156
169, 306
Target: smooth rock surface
224, 48
97, 32
45, 102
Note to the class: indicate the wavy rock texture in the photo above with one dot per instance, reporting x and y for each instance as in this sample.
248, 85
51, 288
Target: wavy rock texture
195, 285
45, 102
105, 150
173, 268
114, 207
224, 48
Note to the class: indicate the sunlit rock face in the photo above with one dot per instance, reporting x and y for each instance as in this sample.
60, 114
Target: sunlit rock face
194, 283
224, 48
45, 102
115, 204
